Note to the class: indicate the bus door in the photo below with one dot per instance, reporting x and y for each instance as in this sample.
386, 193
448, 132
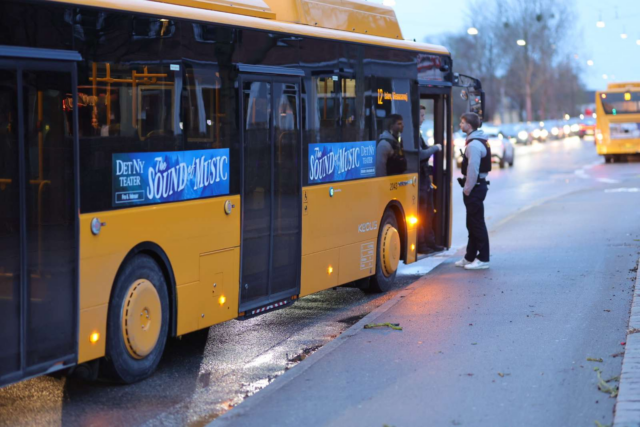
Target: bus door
433, 130
271, 191
38, 213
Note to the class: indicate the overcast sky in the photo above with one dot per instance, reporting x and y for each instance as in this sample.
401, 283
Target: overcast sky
613, 56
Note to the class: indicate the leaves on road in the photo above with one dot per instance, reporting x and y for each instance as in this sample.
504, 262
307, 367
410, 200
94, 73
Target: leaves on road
591, 359
604, 387
395, 326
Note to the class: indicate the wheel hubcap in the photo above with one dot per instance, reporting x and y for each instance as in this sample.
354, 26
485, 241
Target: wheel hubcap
141, 318
390, 251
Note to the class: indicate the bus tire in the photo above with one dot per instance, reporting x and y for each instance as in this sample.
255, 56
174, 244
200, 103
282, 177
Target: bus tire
138, 321
387, 255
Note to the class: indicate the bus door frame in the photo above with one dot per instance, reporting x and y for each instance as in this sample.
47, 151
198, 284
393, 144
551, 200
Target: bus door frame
22, 59
272, 74
440, 92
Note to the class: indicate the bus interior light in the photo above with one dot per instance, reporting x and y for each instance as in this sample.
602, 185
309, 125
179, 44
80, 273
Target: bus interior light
330, 270
627, 96
604, 96
412, 220
222, 300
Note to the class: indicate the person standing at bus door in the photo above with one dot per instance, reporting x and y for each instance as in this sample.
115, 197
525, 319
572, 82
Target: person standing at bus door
476, 164
390, 159
426, 237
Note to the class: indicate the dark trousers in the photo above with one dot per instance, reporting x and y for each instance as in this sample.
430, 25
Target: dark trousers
478, 245
426, 236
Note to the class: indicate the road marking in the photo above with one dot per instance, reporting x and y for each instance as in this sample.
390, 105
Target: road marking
622, 190
608, 180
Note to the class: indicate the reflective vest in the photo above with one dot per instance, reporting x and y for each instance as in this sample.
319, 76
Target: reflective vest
397, 162
485, 162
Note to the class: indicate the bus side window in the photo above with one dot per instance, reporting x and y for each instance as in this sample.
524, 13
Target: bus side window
327, 110
394, 96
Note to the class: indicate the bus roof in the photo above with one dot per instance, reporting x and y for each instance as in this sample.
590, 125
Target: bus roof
344, 20
624, 86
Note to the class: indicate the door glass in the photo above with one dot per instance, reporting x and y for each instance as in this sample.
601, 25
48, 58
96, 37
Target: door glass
256, 238
50, 215
286, 215
9, 226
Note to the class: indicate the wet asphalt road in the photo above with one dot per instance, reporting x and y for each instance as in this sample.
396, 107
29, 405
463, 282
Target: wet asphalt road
207, 373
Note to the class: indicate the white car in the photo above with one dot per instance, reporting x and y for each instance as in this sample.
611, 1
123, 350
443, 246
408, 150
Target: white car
502, 151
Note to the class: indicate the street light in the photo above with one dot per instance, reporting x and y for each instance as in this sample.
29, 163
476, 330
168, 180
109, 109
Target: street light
472, 31
590, 63
638, 42
604, 76
623, 36
521, 42
600, 24
389, 3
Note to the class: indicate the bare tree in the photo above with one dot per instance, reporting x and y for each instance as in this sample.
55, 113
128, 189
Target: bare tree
531, 73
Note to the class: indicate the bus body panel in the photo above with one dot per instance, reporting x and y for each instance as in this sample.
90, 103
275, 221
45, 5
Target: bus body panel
336, 249
185, 231
195, 14
202, 243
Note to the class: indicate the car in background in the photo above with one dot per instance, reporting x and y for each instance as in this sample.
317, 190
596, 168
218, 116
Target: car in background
502, 151
517, 133
554, 129
587, 127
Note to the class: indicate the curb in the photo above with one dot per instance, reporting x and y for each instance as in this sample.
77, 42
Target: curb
248, 405
627, 409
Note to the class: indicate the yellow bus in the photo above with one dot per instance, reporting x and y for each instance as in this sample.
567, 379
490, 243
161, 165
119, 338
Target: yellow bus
169, 165
618, 121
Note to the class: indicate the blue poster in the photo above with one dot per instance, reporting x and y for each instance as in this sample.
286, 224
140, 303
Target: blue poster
341, 161
145, 178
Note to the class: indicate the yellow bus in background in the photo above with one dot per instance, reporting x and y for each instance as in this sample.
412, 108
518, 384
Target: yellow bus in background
169, 165
618, 121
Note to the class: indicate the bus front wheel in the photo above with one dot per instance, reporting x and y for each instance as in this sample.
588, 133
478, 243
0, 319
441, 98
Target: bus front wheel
387, 255
138, 321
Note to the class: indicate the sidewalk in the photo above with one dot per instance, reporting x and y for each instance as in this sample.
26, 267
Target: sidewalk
501, 347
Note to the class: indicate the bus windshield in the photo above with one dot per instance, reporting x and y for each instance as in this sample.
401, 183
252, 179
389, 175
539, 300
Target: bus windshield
621, 103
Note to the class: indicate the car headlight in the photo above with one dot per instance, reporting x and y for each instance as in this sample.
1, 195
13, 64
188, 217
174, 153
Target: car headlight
575, 128
523, 135
566, 129
544, 133
555, 131
536, 133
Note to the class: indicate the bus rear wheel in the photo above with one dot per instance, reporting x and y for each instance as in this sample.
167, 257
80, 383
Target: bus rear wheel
138, 321
387, 255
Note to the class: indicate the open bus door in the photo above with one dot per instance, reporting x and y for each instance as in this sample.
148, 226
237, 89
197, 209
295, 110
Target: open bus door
437, 128
38, 212
435, 106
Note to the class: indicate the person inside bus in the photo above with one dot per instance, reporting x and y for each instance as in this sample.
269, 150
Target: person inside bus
476, 165
426, 237
390, 158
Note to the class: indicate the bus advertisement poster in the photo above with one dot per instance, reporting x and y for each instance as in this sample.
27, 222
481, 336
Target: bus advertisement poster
146, 178
341, 161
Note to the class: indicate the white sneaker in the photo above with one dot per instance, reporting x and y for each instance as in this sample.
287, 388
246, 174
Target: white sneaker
477, 265
462, 263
